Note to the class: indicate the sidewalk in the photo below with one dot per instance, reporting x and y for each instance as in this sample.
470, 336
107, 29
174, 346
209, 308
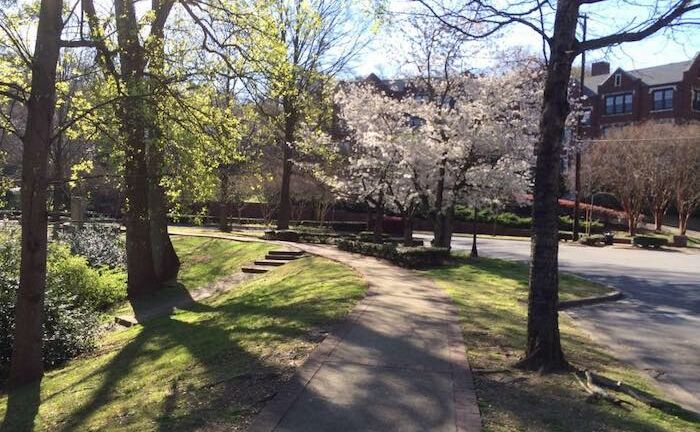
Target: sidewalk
398, 363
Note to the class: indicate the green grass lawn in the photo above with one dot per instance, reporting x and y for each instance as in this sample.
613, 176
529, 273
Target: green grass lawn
204, 259
209, 367
491, 296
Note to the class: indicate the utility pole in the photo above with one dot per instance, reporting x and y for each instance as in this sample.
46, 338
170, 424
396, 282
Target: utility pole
578, 139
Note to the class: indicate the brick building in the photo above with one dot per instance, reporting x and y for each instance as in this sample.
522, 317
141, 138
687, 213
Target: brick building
669, 92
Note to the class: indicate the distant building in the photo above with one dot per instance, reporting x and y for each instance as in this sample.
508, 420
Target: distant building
669, 92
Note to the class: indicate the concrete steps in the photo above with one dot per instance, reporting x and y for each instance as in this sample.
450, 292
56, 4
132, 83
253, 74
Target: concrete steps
271, 263
255, 269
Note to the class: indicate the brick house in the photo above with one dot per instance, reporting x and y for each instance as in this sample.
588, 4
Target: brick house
669, 92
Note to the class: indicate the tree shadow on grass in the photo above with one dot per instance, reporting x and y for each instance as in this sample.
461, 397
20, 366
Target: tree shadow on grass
223, 384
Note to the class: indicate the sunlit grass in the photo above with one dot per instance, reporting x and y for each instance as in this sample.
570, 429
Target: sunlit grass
206, 367
492, 298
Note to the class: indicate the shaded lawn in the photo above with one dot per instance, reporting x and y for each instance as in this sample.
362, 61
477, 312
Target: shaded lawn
210, 367
492, 298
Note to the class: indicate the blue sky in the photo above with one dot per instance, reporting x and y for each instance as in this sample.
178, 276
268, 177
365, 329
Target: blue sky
381, 56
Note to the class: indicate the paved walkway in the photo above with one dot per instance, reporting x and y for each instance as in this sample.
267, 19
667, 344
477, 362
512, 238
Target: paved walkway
398, 363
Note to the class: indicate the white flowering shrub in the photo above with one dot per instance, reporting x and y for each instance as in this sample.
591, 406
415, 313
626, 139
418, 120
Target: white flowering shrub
101, 245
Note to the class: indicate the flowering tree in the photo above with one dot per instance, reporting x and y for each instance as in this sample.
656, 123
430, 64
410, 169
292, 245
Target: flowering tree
380, 141
473, 145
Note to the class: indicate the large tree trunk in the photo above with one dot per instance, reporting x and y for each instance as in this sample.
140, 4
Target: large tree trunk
290, 124
142, 277
166, 264
442, 228
27, 361
543, 350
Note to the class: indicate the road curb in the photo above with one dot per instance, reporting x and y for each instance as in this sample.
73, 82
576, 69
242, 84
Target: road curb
614, 296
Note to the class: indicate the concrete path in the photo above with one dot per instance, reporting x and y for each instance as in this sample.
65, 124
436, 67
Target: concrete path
397, 363
656, 327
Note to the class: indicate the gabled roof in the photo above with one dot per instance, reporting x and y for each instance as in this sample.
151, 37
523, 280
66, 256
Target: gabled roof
664, 74
651, 76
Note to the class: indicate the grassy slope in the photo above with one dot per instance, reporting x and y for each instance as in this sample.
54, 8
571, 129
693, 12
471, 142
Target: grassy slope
204, 260
206, 368
491, 295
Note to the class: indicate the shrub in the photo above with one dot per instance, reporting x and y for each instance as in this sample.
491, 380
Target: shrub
101, 245
368, 236
411, 257
592, 240
95, 288
566, 236
417, 257
71, 325
649, 241
514, 221
282, 235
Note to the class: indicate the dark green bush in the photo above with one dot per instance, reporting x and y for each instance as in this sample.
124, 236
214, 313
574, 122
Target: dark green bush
566, 236
75, 295
514, 221
592, 240
101, 245
368, 236
421, 256
411, 257
649, 241
282, 235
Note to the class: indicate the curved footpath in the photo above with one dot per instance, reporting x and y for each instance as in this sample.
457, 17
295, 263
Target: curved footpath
397, 362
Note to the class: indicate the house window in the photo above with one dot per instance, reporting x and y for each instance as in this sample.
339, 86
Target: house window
618, 80
696, 99
618, 104
663, 99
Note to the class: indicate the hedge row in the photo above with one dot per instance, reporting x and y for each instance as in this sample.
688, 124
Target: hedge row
649, 241
410, 257
512, 220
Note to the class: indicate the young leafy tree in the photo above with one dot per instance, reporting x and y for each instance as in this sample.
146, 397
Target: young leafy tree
556, 23
300, 47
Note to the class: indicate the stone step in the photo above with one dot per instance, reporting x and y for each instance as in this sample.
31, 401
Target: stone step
286, 253
273, 263
282, 258
254, 269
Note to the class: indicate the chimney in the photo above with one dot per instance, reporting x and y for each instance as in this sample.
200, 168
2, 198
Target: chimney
600, 68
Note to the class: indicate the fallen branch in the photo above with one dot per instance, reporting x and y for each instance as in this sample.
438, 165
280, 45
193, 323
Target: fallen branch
596, 393
637, 394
